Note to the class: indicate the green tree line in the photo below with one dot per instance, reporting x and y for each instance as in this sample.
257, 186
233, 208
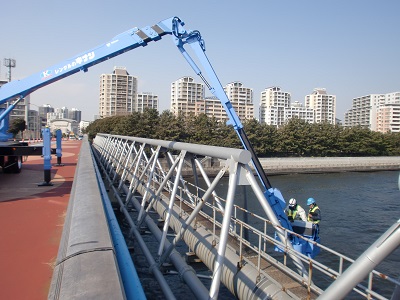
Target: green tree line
296, 138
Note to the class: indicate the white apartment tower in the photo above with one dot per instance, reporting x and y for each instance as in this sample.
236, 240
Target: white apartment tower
360, 113
297, 110
75, 114
62, 112
323, 104
34, 125
184, 95
241, 99
273, 104
388, 114
378, 112
118, 93
188, 97
146, 100
212, 107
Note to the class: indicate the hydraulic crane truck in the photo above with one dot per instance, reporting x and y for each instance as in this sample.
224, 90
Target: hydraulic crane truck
134, 38
12, 152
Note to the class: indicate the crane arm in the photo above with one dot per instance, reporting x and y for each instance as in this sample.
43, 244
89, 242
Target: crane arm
132, 39
119, 44
193, 38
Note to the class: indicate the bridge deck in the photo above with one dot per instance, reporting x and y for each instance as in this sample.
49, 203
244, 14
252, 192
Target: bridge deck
31, 223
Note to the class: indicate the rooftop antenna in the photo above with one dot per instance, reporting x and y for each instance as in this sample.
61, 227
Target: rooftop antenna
9, 63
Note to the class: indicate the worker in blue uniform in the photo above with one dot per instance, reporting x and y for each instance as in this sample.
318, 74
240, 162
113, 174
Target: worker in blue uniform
314, 213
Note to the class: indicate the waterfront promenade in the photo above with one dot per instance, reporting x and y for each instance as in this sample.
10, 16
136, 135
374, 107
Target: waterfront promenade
31, 224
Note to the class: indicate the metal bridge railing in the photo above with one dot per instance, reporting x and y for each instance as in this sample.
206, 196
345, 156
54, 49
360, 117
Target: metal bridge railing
259, 240
156, 169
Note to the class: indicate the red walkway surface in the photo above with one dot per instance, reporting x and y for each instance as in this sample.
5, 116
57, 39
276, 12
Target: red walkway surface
31, 223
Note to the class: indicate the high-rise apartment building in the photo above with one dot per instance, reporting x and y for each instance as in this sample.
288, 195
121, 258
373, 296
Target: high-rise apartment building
323, 104
118, 93
212, 107
274, 102
298, 110
276, 107
188, 97
388, 118
20, 110
62, 112
360, 113
34, 125
75, 114
185, 93
241, 99
43, 110
146, 100
378, 112
387, 114
54, 116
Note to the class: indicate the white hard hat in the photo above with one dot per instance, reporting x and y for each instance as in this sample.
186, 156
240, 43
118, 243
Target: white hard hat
292, 202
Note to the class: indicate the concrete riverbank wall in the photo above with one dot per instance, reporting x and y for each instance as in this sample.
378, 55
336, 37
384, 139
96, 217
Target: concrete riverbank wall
329, 164
304, 165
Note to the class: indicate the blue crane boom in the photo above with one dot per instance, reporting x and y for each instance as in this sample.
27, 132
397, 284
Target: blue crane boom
132, 39
121, 43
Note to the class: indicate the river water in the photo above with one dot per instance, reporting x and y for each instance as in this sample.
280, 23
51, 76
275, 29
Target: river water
357, 208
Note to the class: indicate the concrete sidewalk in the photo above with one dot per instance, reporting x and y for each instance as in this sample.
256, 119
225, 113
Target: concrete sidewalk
31, 223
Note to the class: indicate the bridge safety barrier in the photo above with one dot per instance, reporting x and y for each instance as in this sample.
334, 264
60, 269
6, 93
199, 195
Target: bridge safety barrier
86, 265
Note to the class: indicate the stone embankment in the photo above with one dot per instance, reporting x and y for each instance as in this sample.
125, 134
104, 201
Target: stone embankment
304, 165
329, 164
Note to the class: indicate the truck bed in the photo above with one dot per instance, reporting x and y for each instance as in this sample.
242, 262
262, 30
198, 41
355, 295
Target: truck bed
16, 148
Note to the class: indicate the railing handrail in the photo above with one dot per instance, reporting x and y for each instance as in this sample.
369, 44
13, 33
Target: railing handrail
310, 261
184, 195
239, 155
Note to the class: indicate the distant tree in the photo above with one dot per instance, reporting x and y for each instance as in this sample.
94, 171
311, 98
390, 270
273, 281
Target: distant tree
104, 125
324, 139
201, 129
263, 137
392, 142
147, 123
16, 126
170, 127
356, 141
295, 138
125, 125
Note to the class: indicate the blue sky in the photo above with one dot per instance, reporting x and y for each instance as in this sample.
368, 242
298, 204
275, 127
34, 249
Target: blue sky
351, 48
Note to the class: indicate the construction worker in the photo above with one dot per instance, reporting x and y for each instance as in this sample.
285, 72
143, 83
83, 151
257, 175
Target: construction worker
295, 212
314, 213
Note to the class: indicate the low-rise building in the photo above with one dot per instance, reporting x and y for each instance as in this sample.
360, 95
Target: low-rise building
67, 126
